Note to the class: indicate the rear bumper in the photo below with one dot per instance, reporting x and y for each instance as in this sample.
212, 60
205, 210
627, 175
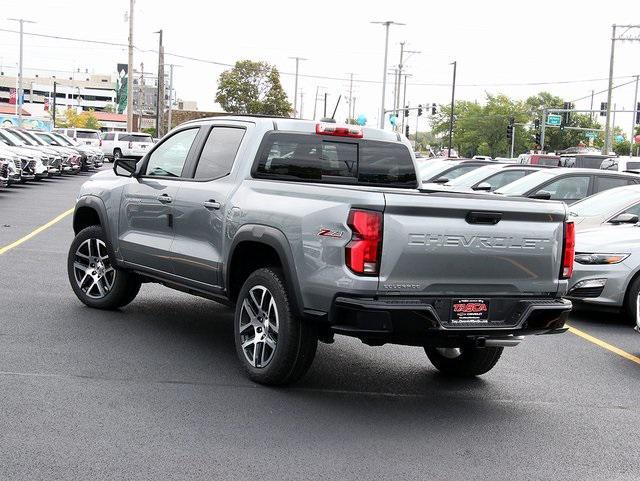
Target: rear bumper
420, 321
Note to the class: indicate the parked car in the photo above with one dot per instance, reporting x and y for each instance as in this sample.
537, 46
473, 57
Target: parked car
491, 177
49, 157
584, 161
539, 159
607, 263
32, 164
4, 172
567, 184
315, 229
70, 162
441, 171
620, 205
94, 154
622, 164
85, 136
87, 156
134, 145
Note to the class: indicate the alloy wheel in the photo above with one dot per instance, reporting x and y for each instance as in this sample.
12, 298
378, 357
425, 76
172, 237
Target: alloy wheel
449, 352
259, 324
92, 269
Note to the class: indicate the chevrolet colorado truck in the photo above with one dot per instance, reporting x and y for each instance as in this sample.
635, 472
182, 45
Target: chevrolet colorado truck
311, 229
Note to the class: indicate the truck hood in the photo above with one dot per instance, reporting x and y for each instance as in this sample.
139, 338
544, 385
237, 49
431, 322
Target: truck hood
608, 238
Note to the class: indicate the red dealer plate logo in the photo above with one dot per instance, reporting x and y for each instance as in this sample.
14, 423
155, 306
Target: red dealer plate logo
470, 311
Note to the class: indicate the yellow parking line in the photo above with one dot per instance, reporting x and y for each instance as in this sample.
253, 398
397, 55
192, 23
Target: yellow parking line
34, 233
605, 345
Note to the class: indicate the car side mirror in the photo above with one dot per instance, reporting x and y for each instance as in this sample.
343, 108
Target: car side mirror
483, 186
124, 167
625, 218
440, 180
541, 195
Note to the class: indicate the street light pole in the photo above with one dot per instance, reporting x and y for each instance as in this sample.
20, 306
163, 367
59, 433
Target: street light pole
386, 24
160, 87
170, 95
295, 88
633, 117
21, 21
453, 98
607, 128
130, 71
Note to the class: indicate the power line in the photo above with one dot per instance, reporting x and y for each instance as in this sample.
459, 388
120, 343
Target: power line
606, 90
325, 77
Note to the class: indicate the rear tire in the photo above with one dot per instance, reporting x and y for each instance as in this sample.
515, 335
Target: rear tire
93, 275
632, 301
274, 346
469, 361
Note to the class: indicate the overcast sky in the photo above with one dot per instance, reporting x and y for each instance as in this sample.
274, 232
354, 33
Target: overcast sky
494, 42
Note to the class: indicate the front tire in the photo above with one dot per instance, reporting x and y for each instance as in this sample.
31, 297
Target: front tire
632, 302
467, 361
94, 277
274, 346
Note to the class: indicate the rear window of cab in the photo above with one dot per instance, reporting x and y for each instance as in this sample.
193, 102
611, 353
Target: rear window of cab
324, 159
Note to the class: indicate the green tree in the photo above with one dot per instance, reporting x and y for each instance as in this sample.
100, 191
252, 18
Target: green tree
252, 88
86, 120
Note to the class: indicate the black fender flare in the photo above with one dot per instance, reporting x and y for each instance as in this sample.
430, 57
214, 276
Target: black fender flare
96, 204
278, 241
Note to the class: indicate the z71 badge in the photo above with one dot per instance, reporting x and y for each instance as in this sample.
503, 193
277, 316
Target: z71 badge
330, 233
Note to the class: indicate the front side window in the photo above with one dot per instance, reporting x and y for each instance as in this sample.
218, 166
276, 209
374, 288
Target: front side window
568, 188
169, 158
219, 152
504, 178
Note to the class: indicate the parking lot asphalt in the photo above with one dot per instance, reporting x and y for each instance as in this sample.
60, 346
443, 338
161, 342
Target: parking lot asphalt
153, 391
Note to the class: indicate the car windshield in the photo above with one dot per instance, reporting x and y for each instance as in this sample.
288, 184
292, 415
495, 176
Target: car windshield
12, 138
608, 201
473, 177
87, 134
525, 184
36, 141
25, 138
63, 140
137, 138
46, 138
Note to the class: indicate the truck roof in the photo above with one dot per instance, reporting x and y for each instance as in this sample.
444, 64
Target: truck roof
299, 125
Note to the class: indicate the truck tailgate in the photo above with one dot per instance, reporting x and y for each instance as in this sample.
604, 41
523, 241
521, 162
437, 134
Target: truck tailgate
451, 244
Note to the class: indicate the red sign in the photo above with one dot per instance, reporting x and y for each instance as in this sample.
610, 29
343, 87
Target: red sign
13, 96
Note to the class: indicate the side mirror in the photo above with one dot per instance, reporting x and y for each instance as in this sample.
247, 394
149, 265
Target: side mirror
440, 180
541, 195
483, 186
124, 167
625, 218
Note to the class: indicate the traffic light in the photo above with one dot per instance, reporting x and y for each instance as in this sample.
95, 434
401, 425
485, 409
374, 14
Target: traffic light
566, 116
536, 124
603, 109
419, 110
638, 113
509, 132
406, 131
406, 111
538, 138
433, 109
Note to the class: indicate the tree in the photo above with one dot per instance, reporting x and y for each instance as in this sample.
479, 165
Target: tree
86, 120
252, 88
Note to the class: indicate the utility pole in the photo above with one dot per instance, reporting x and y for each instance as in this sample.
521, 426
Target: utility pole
301, 104
633, 117
513, 141
53, 107
130, 71
386, 24
315, 102
453, 98
404, 100
295, 87
349, 115
591, 108
543, 124
19, 93
170, 95
141, 96
324, 114
160, 89
627, 34
399, 76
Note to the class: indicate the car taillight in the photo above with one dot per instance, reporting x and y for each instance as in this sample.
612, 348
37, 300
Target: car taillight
569, 250
363, 251
130, 144
339, 130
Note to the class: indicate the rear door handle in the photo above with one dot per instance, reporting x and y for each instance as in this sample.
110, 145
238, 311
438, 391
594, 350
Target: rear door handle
211, 204
487, 218
165, 198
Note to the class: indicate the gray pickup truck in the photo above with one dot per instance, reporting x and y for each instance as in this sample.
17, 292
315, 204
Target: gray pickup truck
312, 229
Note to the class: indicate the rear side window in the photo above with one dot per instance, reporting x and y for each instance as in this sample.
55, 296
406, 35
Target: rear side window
315, 158
606, 183
219, 152
108, 136
145, 139
84, 134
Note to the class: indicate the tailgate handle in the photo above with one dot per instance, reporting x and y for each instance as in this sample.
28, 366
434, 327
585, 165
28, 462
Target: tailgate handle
487, 218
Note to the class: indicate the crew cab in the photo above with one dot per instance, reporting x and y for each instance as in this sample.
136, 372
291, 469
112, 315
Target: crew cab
315, 229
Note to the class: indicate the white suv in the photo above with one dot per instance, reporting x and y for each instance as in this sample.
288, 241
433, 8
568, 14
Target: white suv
84, 136
116, 145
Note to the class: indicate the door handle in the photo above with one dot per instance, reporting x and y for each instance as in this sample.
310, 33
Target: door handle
487, 218
211, 204
165, 198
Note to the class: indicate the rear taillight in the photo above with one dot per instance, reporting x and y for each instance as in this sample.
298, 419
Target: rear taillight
569, 250
339, 130
130, 144
363, 251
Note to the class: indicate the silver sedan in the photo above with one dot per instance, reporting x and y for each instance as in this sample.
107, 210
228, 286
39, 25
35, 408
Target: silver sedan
620, 205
